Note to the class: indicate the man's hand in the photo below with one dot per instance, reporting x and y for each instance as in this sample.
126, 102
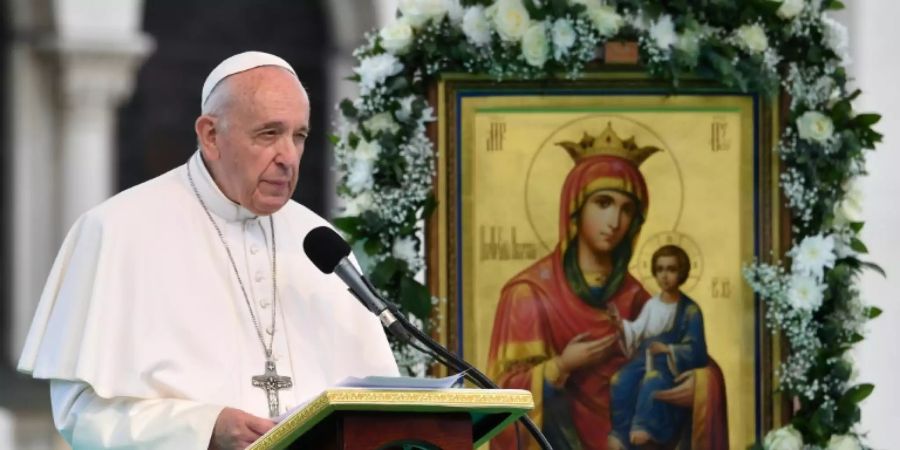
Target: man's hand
235, 430
580, 352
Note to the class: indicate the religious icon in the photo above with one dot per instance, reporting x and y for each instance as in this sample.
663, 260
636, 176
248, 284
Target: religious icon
547, 245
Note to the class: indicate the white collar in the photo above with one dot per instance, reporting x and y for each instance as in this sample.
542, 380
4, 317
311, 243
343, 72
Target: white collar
215, 200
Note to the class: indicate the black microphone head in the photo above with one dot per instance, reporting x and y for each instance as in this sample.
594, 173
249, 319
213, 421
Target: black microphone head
325, 248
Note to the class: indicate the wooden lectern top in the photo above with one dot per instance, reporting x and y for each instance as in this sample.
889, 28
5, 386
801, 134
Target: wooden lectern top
491, 410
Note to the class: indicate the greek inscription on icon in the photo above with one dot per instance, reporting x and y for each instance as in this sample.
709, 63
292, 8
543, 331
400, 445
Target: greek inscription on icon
719, 141
501, 244
721, 287
495, 136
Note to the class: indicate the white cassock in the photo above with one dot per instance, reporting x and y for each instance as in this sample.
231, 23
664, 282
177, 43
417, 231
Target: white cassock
145, 335
656, 317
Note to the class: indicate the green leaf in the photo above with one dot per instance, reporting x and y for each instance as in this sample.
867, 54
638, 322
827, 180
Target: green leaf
383, 272
333, 139
349, 225
873, 266
866, 120
835, 5
858, 246
858, 393
428, 207
873, 312
348, 110
373, 246
415, 298
857, 226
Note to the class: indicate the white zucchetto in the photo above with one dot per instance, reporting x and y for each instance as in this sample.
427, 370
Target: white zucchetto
237, 64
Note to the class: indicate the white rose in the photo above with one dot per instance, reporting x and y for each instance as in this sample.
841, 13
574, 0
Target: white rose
814, 126
786, 438
396, 37
381, 122
849, 209
752, 38
790, 8
476, 27
418, 12
606, 20
534, 45
662, 31
511, 19
563, 37
843, 442
366, 150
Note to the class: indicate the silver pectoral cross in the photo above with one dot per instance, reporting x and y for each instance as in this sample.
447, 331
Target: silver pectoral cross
271, 382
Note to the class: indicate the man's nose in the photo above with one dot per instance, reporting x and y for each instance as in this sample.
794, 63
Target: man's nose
289, 152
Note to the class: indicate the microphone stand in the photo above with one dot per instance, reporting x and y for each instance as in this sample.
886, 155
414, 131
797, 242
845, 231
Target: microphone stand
454, 362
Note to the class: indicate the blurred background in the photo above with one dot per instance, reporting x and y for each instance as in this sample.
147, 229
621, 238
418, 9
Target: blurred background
99, 95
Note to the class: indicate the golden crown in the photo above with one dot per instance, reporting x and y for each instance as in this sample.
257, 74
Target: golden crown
608, 143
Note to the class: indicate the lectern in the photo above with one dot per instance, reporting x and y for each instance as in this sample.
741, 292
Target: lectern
364, 419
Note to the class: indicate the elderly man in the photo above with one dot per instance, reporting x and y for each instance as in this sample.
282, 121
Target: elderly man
182, 313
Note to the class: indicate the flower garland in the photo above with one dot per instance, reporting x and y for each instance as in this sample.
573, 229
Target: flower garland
385, 160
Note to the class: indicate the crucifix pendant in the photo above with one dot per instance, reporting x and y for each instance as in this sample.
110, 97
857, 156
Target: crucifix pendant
271, 382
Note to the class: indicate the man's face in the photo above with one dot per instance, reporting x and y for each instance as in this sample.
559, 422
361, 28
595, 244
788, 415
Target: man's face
604, 219
259, 148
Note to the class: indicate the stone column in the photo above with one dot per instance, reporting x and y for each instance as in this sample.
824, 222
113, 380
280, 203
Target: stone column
95, 77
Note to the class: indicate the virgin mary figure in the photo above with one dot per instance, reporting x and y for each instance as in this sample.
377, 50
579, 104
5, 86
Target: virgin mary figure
552, 334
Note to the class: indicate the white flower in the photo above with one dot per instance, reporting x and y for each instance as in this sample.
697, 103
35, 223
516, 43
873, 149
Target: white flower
813, 255
534, 45
843, 442
752, 38
563, 36
359, 176
397, 36
356, 205
418, 12
836, 38
381, 122
476, 27
662, 31
849, 208
366, 150
814, 126
404, 249
605, 18
455, 11
373, 70
804, 292
511, 19
790, 8
786, 438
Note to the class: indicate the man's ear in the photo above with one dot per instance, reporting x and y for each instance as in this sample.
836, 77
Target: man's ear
208, 137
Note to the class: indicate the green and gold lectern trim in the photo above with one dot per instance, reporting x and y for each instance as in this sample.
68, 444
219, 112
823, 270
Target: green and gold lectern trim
478, 402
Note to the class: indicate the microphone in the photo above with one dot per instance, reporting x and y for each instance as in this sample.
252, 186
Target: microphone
330, 254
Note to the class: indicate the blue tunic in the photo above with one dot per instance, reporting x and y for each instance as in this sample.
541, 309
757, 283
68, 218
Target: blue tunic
633, 407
